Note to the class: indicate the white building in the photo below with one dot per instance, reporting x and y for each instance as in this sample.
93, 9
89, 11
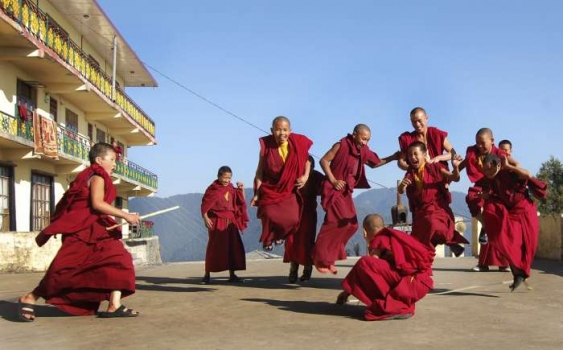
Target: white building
63, 71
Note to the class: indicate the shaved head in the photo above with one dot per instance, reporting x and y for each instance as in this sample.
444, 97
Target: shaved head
280, 118
416, 110
361, 127
484, 132
373, 223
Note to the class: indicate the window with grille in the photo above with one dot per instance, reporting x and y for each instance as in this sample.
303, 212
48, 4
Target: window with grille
71, 120
41, 200
7, 217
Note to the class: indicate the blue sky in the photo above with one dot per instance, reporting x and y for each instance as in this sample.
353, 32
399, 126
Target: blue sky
328, 65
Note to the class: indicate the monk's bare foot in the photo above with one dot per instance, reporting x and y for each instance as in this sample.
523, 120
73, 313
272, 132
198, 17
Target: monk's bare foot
26, 312
342, 298
322, 269
332, 269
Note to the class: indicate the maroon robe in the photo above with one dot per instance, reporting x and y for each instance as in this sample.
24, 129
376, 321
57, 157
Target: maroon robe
394, 282
489, 255
92, 261
434, 142
279, 207
340, 221
511, 220
433, 221
299, 246
226, 208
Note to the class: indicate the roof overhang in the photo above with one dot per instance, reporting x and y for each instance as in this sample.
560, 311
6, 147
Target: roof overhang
88, 18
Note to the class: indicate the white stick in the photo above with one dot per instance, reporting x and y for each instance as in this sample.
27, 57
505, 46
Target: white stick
158, 212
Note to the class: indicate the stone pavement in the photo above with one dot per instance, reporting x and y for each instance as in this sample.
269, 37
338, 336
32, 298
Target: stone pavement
467, 310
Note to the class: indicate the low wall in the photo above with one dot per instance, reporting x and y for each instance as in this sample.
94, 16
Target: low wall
550, 244
20, 253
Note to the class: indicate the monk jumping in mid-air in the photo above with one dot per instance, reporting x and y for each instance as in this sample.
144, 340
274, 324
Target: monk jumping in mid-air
92, 264
426, 185
344, 169
283, 168
394, 275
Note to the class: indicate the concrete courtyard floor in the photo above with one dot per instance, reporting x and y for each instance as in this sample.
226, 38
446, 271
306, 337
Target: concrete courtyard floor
466, 310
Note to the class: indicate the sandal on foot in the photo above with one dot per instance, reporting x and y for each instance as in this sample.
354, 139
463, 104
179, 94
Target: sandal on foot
25, 309
122, 311
279, 241
268, 247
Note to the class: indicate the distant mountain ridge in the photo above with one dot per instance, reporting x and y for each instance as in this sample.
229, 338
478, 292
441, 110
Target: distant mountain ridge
183, 236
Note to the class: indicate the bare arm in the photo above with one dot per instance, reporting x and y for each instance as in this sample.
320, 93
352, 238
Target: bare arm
386, 160
446, 156
454, 175
325, 165
257, 182
97, 200
521, 172
302, 180
402, 162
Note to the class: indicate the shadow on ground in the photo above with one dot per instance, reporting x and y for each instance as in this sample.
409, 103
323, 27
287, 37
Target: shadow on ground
263, 282
9, 311
314, 307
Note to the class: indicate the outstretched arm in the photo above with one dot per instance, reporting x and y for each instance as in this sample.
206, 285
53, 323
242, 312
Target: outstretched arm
454, 175
97, 200
521, 172
386, 160
402, 162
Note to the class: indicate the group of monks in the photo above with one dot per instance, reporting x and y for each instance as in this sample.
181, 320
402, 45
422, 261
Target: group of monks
93, 266
286, 187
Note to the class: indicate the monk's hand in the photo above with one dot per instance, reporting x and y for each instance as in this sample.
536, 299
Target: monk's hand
254, 201
405, 182
240, 185
456, 162
339, 184
484, 195
300, 182
132, 218
208, 223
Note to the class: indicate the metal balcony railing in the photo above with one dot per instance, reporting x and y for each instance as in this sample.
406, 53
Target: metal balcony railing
34, 20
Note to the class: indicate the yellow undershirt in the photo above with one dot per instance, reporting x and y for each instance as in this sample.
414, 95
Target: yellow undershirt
283, 149
419, 177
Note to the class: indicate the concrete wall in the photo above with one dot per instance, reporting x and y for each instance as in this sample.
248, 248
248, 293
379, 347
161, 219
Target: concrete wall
19, 253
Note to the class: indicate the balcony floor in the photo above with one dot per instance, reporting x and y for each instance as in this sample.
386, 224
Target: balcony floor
267, 313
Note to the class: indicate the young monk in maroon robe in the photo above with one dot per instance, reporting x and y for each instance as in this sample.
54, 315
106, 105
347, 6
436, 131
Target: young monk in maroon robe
283, 168
392, 277
425, 183
489, 255
344, 169
299, 246
510, 215
436, 140
92, 264
223, 208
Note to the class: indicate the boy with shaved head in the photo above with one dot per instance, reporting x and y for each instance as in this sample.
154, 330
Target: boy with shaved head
473, 163
344, 169
394, 275
283, 168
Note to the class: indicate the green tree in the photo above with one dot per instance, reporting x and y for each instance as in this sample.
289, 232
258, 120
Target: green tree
552, 173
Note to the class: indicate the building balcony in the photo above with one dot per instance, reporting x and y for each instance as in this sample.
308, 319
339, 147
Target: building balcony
70, 71
17, 141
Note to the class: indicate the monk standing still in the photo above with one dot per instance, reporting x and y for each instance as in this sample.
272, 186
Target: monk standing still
489, 255
394, 275
436, 140
92, 264
283, 168
426, 183
510, 215
344, 169
223, 208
